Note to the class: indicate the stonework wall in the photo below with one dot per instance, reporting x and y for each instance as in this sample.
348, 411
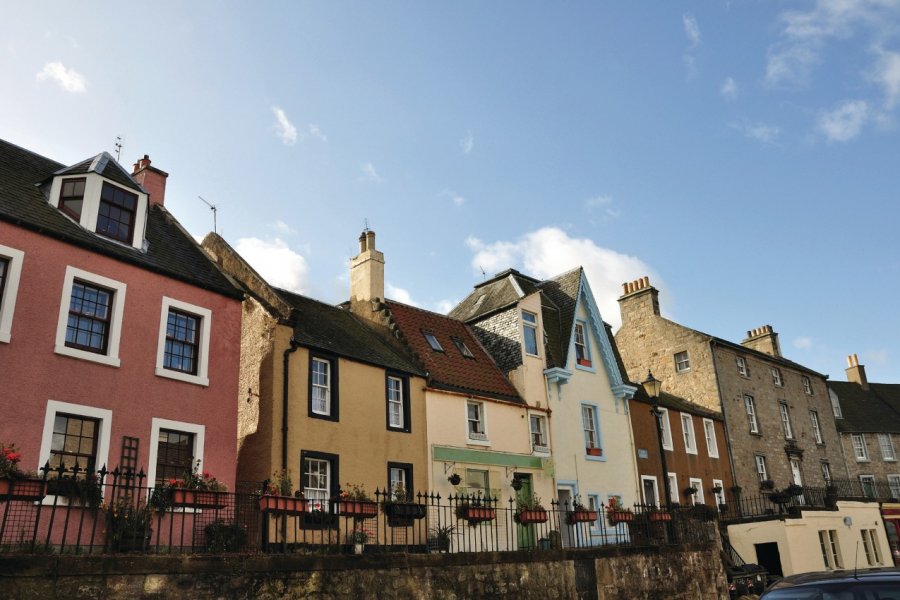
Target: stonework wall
257, 327
499, 334
876, 466
675, 573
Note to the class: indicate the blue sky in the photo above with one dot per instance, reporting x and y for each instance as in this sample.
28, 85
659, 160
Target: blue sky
742, 154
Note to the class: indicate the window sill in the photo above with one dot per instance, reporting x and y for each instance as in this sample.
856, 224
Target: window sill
5, 337
471, 442
681, 372
398, 429
185, 377
689, 451
543, 450
863, 460
595, 458
103, 359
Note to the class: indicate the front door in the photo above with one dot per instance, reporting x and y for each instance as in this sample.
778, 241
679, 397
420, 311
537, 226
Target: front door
564, 495
650, 494
795, 476
525, 533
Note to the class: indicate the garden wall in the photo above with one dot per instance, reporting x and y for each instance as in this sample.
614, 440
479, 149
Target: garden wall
621, 573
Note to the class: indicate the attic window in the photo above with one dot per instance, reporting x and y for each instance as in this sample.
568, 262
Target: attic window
463, 349
115, 218
71, 197
433, 341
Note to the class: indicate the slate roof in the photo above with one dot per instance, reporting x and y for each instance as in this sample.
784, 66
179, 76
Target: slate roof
750, 351
172, 251
876, 410
495, 294
563, 291
450, 369
336, 330
103, 164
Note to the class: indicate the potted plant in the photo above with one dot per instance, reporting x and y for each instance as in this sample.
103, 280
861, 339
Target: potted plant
580, 513
616, 512
767, 485
85, 491
594, 451
475, 509
278, 495
516, 483
530, 510
129, 525
16, 484
195, 490
358, 537
454, 479
716, 489
355, 502
441, 535
656, 514
794, 490
401, 511
689, 490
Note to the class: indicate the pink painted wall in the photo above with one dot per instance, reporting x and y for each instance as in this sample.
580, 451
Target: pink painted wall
32, 373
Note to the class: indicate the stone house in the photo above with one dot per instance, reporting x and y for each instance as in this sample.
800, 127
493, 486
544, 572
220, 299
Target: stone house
119, 338
550, 340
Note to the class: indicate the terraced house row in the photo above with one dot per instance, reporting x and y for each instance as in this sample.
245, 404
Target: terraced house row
126, 344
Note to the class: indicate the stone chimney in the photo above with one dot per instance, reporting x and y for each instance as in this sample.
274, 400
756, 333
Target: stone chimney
366, 275
151, 179
856, 373
763, 339
639, 299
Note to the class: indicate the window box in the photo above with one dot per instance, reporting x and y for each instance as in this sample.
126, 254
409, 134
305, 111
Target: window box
358, 509
283, 504
581, 516
197, 498
531, 515
657, 516
402, 514
620, 516
594, 451
318, 520
584, 362
22, 489
476, 514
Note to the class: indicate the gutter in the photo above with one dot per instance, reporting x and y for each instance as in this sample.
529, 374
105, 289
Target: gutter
286, 378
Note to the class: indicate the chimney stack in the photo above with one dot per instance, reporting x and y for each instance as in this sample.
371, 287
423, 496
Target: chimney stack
856, 373
763, 339
366, 275
638, 299
151, 179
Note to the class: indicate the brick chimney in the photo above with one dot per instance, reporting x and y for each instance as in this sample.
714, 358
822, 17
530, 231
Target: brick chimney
856, 373
639, 299
366, 275
763, 339
151, 179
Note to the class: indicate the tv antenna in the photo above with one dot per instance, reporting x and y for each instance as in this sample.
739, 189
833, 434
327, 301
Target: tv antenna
214, 209
118, 146
483, 274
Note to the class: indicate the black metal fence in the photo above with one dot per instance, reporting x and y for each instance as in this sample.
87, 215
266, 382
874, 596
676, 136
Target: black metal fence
113, 511
793, 499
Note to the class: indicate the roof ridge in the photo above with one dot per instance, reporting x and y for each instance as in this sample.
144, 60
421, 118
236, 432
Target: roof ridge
561, 275
420, 309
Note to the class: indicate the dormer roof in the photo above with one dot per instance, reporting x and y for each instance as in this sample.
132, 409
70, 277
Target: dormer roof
105, 165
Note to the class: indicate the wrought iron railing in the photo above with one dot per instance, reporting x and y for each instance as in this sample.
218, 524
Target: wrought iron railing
793, 499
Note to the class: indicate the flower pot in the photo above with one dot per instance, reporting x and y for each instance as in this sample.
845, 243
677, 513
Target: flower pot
581, 516
659, 516
620, 516
476, 514
198, 499
22, 489
283, 504
533, 515
361, 509
584, 362
402, 514
594, 451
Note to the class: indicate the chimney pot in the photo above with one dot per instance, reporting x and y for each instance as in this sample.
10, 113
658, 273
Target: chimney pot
151, 179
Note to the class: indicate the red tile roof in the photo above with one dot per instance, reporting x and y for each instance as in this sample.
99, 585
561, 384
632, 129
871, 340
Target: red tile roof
450, 369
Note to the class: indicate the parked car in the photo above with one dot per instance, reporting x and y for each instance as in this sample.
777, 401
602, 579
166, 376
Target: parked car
864, 584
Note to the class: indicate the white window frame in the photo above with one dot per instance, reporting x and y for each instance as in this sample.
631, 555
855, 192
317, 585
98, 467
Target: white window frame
666, 429
480, 438
329, 374
697, 484
750, 409
584, 343
741, 363
687, 429
894, 486
719, 496
595, 422
835, 404
777, 378
859, 447
398, 401
762, 469
886, 445
831, 549
682, 366
15, 259
673, 487
871, 547
709, 431
204, 315
317, 503
104, 416
655, 489
786, 425
199, 434
826, 472
397, 475
533, 326
111, 358
544, 433
807, 385
817, 429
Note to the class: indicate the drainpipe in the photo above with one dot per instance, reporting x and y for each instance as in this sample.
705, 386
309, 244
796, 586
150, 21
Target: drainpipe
712, 351
284, 401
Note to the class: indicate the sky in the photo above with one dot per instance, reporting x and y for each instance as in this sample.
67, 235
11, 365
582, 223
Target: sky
742, 154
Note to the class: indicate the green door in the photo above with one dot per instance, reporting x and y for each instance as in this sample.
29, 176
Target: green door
525, 533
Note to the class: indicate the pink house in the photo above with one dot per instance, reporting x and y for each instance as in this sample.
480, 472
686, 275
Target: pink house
119, 339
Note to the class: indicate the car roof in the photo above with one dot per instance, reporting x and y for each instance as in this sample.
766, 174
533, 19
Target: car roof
847, 575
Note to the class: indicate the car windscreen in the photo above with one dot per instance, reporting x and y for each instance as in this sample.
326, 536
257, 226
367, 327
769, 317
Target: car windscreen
844, 590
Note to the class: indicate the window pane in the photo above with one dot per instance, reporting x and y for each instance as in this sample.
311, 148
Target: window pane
88, 323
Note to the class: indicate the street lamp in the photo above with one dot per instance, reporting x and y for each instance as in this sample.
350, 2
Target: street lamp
651, 387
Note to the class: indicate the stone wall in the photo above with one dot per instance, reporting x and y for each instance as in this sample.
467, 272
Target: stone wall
675, 573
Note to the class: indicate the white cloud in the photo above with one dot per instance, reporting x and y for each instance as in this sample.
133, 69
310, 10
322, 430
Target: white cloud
803, 343
399, 294
276, 262
604, 202
284, 228
878, 357
285, 129
888, 76
448, 194
370, 173
845, 122
729, 88
68, 79
444, 306
767, 134
550, 251
691, 29
467, 143
316, 132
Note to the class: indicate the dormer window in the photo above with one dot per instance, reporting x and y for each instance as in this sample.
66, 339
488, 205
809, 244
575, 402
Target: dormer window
71, 197
115, 219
